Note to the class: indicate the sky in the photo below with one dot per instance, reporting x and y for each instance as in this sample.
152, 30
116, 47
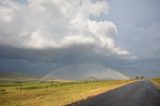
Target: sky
39, 37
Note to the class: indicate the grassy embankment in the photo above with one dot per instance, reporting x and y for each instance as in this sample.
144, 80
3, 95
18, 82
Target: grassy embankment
53, 94
156, 81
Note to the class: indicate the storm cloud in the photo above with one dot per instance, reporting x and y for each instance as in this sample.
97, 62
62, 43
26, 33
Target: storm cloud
41, 36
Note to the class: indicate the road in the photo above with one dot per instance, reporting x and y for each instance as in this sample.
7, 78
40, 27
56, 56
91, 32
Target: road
141, 93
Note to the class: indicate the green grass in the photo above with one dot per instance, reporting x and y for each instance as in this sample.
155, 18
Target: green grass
156, 81
53, 93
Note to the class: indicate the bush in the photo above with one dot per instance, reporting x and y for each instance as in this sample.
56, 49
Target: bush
2, 91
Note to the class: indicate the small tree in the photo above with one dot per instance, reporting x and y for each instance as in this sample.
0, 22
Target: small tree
142, 77
137, 77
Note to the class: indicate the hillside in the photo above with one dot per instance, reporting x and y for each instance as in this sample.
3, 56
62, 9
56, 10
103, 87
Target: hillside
15, 76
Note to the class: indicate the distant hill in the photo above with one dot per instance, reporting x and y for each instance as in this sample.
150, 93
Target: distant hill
92, 78
70, 73
84, 72
15, 76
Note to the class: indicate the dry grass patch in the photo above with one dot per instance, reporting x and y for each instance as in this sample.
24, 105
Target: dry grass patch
58, 95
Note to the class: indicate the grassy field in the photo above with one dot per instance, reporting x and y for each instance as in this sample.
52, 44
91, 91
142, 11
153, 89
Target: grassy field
55, 93
156, 81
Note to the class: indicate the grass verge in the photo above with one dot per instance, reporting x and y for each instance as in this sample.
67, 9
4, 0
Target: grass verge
156, 82
54, 94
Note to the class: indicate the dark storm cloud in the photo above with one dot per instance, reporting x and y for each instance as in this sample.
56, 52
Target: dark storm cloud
43, 61
34, 59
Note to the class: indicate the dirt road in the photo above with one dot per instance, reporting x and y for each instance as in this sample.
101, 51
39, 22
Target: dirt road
141, 93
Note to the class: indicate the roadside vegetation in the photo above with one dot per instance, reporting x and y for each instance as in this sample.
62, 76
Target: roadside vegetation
52, 93
156, 81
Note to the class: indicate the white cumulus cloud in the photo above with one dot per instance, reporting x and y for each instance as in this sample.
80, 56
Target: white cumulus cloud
57, 24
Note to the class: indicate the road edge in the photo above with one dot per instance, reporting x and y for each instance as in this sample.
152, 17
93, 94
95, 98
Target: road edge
91, 96
157, 85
